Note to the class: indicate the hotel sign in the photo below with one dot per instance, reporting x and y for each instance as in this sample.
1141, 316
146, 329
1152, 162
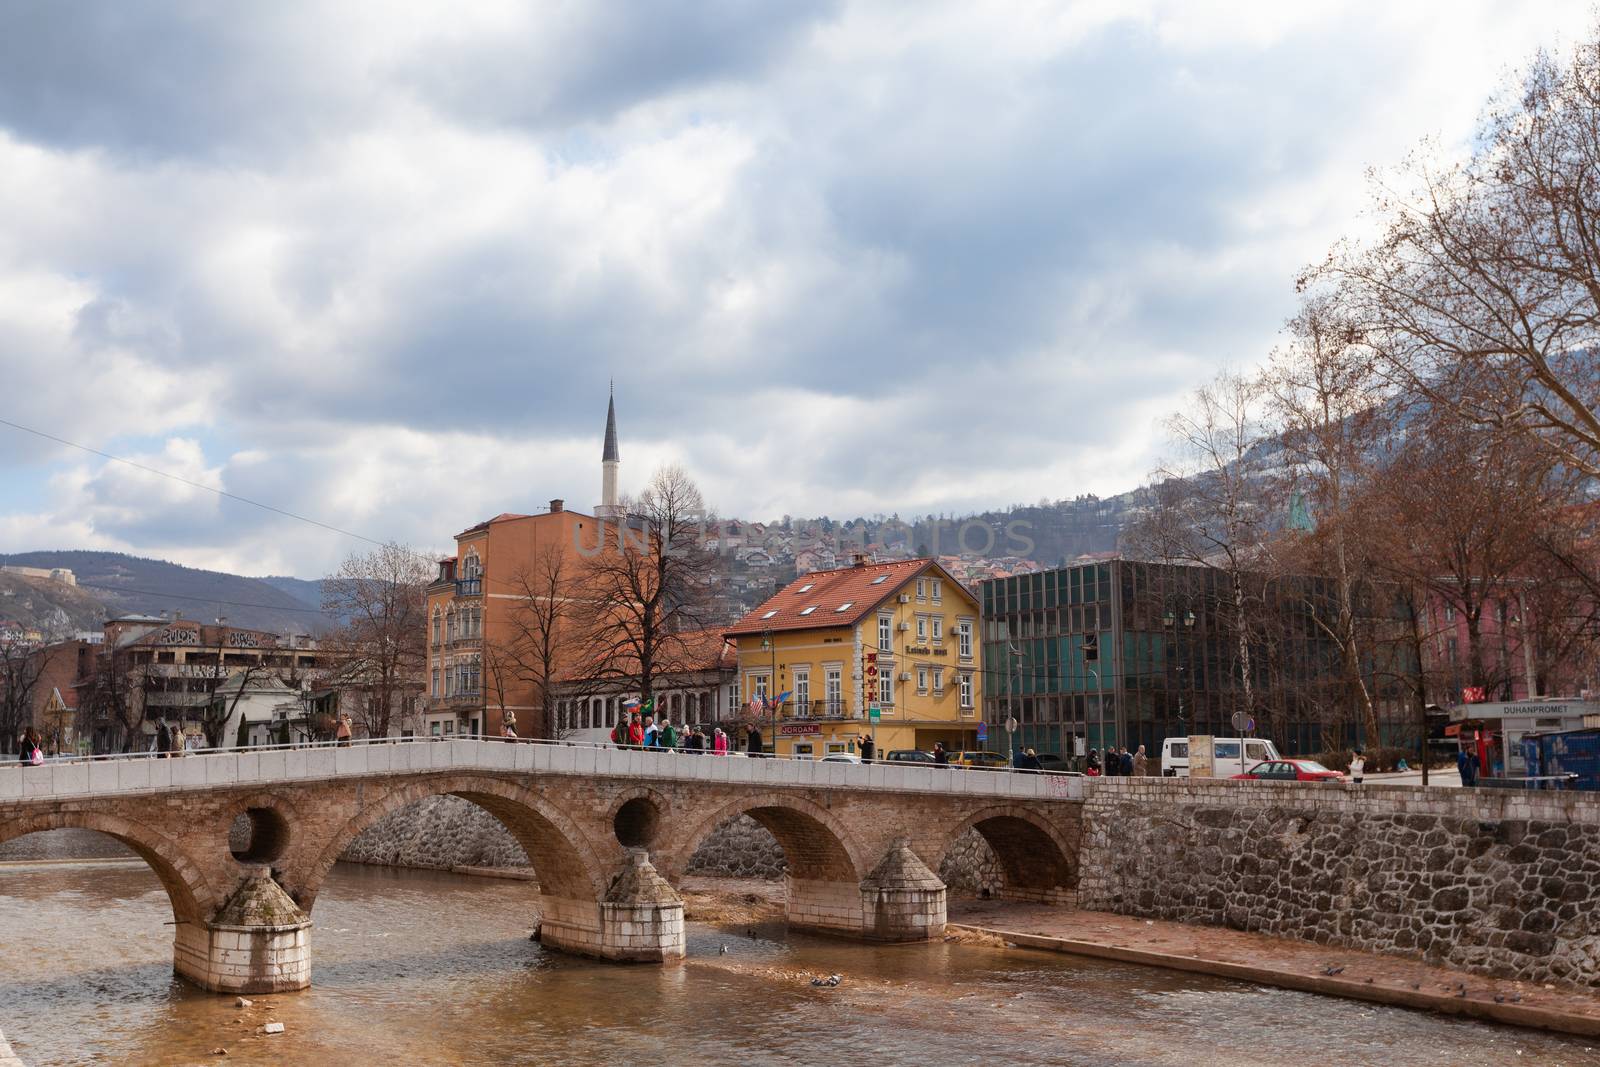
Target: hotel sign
924, 650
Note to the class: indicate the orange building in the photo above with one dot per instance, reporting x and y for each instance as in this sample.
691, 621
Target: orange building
479, 610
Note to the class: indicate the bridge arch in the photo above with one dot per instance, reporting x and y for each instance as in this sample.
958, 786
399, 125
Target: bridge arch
192, 896
815, 844
1038, 859
562, 860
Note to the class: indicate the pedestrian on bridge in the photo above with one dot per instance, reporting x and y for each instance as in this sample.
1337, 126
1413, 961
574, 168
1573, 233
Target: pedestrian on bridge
667, 736
636, 733
867, 748
1141, 763
719, 743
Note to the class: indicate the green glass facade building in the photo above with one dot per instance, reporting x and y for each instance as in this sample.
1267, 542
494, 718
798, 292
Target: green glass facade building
1126, 653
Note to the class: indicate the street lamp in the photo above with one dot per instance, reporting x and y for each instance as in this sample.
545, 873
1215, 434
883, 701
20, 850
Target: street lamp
1172, 619
772, 689
1016, 655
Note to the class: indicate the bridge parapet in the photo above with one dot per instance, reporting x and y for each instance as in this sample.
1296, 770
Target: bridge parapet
141, 773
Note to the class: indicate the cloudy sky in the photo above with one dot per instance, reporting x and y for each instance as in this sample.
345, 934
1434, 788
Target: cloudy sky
375, 263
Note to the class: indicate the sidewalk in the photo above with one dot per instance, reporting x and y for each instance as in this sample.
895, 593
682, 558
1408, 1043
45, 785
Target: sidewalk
1282, 962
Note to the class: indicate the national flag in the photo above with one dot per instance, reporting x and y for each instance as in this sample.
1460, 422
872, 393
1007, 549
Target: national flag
631, 704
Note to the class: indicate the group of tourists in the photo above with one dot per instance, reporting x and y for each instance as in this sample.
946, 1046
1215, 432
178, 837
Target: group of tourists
1117, 763
644, 731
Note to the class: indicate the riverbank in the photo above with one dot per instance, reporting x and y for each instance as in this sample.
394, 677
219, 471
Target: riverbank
1280, 962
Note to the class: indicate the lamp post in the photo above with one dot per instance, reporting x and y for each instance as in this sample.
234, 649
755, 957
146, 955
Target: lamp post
1016, 655
1172, 619
772, 689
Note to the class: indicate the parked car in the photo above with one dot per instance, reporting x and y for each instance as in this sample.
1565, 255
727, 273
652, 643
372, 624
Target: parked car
1225, 762
840, 757
908, 755
988, 761
1291, 770
1054, 764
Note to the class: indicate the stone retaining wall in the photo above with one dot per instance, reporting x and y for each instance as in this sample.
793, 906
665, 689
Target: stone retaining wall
1502, 883
444, 832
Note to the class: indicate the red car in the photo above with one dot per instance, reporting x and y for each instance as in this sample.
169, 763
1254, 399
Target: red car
1291, 770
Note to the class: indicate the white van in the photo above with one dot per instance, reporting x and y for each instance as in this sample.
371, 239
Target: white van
1224, 755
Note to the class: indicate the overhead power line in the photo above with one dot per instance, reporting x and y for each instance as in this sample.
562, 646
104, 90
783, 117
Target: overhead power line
189, 482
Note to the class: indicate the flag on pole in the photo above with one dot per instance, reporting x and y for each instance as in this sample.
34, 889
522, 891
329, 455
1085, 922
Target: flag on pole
631, 704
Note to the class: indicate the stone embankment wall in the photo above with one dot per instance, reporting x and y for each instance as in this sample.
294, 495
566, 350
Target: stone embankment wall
445, 831
1502, 883
441, 832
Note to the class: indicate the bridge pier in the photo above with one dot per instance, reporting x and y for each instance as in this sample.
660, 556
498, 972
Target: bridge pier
901, 900
639, 920
259, 942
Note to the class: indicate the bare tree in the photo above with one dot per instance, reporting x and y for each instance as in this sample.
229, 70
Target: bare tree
1324, 394
1459, 513
220, 707
383, 644
21, 665
537, 637
652, 589
1483, 292
1210, 508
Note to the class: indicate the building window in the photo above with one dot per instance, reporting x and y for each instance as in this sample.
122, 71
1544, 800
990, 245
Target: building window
938, 680
922, 589
938, 629
966, 689
922, 679
435, 690
936, 587
802, 691
886, 688
471, 566
922, 628
885, 633
733, 701
437, 622
758, 686
833, 689
964, 638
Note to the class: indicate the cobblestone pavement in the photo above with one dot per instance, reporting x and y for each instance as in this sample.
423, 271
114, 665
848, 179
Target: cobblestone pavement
1281, 962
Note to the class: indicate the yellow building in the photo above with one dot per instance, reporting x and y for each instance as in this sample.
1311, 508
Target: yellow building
901, 638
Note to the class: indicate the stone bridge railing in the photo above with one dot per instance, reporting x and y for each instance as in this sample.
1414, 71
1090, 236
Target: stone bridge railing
223, 769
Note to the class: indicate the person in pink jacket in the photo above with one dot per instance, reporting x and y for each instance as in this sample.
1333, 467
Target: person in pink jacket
720, 743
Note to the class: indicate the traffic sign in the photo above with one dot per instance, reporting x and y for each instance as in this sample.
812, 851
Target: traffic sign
983, 730
874, 714
1244, 722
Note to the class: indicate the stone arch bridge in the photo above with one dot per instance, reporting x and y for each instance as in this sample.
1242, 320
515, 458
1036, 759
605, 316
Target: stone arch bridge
608, 833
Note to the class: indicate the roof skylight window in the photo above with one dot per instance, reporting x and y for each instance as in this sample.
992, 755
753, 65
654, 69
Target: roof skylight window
845, 606
770, 614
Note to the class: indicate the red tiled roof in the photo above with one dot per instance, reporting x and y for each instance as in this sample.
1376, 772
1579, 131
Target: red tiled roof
825, 592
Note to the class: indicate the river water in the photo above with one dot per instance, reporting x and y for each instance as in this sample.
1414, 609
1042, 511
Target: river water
413, 967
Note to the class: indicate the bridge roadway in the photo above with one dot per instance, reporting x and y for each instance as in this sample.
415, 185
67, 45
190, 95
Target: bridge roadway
608, 832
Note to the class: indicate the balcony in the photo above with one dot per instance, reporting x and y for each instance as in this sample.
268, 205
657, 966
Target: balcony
469, 587
821, 709
466, 642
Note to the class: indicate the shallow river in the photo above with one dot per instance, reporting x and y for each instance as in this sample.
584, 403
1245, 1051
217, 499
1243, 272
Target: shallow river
420, 968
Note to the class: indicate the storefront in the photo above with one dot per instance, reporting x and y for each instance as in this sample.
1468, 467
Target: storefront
1492, 732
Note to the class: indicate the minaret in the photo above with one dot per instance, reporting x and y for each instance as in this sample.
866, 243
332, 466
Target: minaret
608, 507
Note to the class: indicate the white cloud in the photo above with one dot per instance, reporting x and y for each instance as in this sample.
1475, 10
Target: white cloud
376, 266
